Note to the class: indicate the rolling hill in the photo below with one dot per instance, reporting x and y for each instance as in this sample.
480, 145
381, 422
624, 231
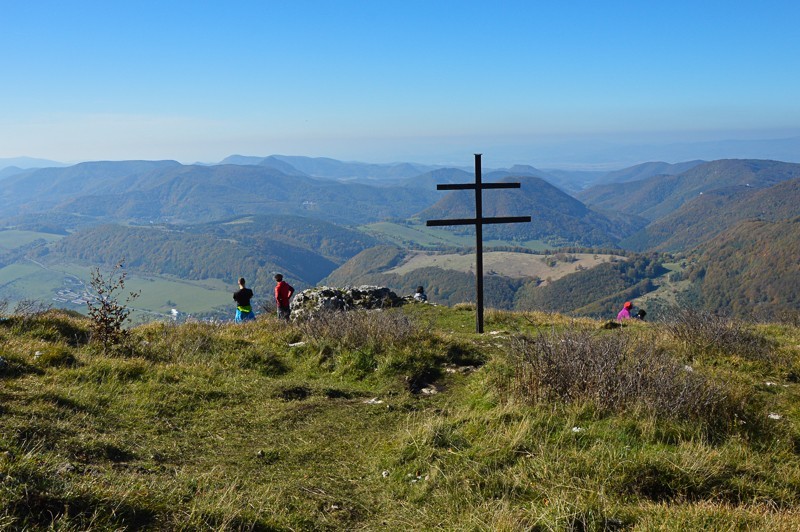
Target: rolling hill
144, 191
646, 171
658, 196
556, 215
328, 168
751, 269
707, 215
304, 250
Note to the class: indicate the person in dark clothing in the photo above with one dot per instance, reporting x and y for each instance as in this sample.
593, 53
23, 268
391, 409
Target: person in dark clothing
244, 312
419, 295
283, 293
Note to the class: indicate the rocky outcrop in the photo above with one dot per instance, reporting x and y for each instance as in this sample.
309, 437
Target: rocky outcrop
325, 298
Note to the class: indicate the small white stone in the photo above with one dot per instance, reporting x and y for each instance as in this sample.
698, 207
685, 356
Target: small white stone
774, 416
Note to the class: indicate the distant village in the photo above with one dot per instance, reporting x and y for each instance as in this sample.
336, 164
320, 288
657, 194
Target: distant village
74, 291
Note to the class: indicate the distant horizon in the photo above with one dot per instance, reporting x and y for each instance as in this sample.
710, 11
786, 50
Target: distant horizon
582, 85
589, 155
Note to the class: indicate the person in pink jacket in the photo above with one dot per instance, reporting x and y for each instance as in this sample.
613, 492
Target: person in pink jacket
625, 313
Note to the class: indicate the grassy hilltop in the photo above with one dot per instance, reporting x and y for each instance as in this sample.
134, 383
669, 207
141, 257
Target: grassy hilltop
401, 420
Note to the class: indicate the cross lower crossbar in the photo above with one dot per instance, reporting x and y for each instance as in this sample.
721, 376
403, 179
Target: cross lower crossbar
473, 221
473, 186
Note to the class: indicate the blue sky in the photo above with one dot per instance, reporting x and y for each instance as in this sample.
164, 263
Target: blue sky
380, 81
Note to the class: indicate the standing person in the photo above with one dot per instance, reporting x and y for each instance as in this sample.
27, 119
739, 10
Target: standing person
244, 312
625, 313
283, 293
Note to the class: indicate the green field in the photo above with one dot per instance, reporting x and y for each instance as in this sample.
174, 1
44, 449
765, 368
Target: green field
505, 263
420, 235
13, 239
158, 294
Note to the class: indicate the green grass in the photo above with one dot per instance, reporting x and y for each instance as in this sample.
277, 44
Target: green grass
13, 239
271, 426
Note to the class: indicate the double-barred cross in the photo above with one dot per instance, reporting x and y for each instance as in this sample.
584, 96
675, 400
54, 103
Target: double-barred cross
479, 221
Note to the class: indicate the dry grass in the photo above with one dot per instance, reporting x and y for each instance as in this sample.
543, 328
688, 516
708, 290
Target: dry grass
618, 373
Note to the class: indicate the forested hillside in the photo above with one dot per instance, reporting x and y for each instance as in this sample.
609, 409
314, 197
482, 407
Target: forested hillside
751, 270
659, 196
598, 292
194, 256
334, 242
707, 215
556, 216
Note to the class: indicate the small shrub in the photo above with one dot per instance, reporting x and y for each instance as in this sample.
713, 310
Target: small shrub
786, 317
107, 312
618, 373
704, 332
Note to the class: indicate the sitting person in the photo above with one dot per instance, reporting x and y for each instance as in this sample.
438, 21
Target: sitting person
625, 313
419, 295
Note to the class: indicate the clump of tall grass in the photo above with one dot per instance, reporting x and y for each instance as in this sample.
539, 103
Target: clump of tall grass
704, 333
618, 373
49, 325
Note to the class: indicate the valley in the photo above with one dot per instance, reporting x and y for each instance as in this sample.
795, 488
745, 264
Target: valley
185, 233
64, 285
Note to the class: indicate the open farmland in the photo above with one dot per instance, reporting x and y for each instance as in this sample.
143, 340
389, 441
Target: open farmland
420, 235
507, 263
12, 239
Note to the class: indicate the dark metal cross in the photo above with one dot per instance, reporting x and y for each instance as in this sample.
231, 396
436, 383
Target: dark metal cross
479, 221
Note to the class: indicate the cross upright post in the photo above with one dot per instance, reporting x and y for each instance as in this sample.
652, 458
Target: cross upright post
478, 222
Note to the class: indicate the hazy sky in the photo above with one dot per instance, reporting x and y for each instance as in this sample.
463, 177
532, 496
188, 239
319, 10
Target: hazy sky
380, 81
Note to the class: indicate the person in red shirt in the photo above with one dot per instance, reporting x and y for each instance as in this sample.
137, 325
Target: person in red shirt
283, 293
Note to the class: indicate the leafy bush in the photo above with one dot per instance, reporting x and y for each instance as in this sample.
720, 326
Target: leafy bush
618, 373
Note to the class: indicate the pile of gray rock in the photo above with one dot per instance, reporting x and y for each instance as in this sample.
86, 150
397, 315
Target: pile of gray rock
325, 298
